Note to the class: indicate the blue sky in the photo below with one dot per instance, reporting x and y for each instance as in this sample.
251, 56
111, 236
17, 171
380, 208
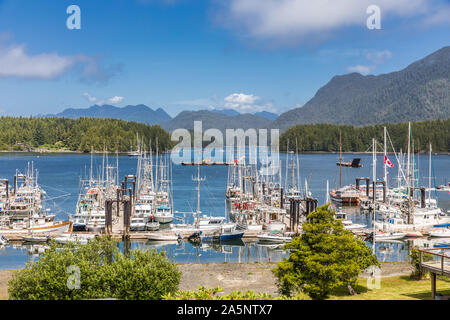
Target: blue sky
196, 54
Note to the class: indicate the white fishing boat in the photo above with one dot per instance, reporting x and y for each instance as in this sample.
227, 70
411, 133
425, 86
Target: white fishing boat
164, 237
72, 238
45, 227
380, 236
414, 234
137, 224
164, 214
97, 221
152, 226
226, 232
349, 225
275, 237
440, 233
36, 239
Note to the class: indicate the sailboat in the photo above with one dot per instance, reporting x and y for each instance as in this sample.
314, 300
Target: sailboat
347, 195
214, 229
409, 216
22, 210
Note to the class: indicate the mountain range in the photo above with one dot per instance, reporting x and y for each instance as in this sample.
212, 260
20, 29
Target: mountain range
138, 113
211, 119
421, 91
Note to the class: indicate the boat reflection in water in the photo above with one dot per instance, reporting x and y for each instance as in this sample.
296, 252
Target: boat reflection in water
235, 251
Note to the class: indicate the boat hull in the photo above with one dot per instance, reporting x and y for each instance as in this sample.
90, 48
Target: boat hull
163, 220
235, 235
62, 226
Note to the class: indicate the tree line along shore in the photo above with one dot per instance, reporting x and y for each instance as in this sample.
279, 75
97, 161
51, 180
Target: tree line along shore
86, 134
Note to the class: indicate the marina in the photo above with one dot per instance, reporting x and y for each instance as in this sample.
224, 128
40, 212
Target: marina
172, 203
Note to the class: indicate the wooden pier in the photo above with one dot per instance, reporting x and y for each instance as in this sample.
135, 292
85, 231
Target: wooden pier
439, 265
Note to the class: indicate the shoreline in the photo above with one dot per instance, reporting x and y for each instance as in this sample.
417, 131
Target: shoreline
44, 151
232, 276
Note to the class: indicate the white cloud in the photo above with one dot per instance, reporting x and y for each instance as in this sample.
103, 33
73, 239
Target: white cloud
115, 100
288, 20
247, 103
16, 62
440, 15
241, 102
379, 57
112, 100
365, 70
90, 98
375, 58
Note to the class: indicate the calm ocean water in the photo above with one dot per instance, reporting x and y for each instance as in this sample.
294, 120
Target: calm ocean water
59, 175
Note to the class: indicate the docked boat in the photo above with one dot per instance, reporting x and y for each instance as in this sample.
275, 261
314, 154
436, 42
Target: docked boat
345, 195
380, 236
227, 232
355, 163
137, 224
152, 226
414, 234
97, 221
275, 237
164, 214
440, 232
41, 226
164, 237
348, 224
36, 239
73, 238
3, 240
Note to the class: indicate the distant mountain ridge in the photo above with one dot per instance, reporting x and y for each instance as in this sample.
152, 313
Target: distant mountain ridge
220, 121
139, 113
233, 113
419, 92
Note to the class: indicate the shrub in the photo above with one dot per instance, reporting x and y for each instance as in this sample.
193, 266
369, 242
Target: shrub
212, 294
104, 272
325, 257
418, 273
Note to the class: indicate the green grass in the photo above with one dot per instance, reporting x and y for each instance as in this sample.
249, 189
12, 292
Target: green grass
395, 288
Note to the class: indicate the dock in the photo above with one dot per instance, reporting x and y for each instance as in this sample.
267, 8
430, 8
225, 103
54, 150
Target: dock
439, 265
133, 236
207, 163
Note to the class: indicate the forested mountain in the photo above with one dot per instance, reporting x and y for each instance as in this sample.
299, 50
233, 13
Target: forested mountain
419, 92
210, 119
77, 134
139, 113
325, 137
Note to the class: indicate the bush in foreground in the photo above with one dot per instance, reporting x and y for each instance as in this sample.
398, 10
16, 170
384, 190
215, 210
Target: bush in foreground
97, 270
325, 257
214, 294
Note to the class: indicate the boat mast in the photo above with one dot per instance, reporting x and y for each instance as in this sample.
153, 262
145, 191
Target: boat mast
429, 178
374, 157
340, 159
298, 167
384, 159
198, 180
408, 174
287, 166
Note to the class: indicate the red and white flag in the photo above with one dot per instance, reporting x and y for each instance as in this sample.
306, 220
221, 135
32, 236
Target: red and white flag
388, 162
